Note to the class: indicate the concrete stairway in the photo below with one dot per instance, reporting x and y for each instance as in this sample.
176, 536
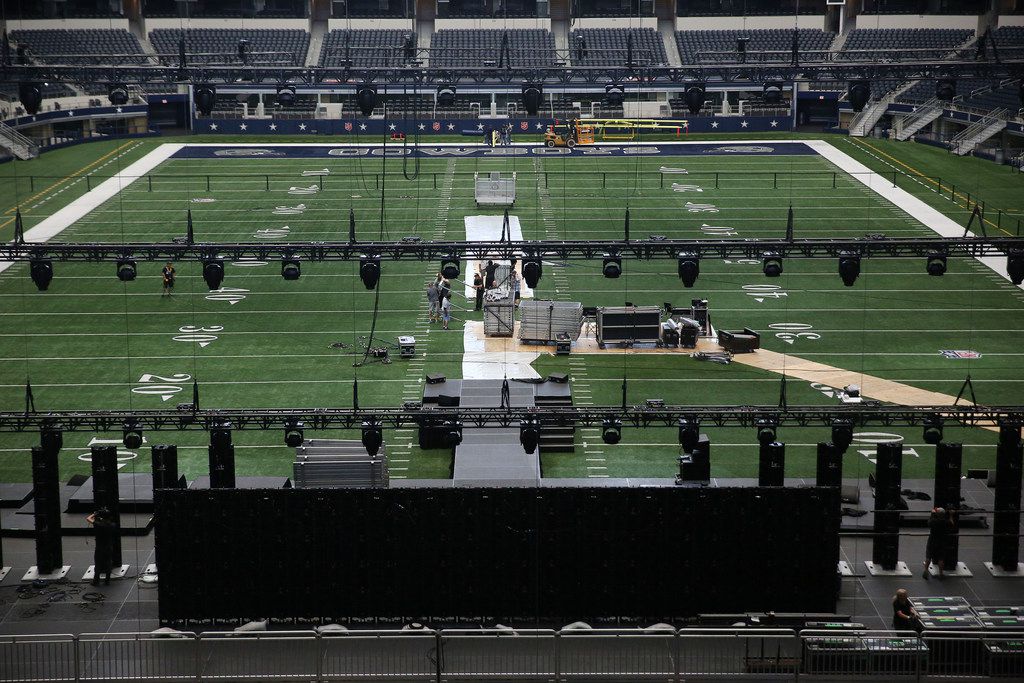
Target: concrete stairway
964, 142
910, 124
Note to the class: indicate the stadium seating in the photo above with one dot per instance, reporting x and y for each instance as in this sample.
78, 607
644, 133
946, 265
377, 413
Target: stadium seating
1010, 42
290, 45
607, 46
933, 42
45, 44
370, 47
923, 91
472, 47
729, 8
484, 8
996, 97
694, 43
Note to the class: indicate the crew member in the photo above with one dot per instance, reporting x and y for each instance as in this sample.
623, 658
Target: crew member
103, 557
489, 270
168, 273
478, 288
517, 283
940, 526
446, 310
904, 616
432, 301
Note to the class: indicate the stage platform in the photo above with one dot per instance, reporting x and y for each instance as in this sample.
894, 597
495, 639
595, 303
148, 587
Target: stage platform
486, 455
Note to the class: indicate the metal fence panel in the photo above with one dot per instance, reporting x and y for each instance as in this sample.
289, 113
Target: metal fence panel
973, 653
379, 655
764, 654
286, 655
498, 655
37, 658
611, 654
137, 657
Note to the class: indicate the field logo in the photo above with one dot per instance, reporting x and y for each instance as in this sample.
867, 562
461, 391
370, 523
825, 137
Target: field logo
435, 126
348, 126
246, 152
203, 200
960, 354
742, 149
701, 208
523, 125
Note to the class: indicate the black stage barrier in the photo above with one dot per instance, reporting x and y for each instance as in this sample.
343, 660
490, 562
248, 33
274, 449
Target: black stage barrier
516, 555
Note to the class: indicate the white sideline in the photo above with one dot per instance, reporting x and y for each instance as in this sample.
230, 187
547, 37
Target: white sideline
927, 215
53, 225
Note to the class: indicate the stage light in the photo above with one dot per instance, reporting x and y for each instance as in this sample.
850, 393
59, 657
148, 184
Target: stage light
932, 429
611, 430
51, 438
369, 270
205, 97
213, 272
373, 437
451, 433
614, 95
286, 96
446, 96
293, 433
945, 89
366, 98
689, 433
936, 264
842, 433
41, 272
765, 431
220, 435
31, 96
290, 268
533, 93
772, 92
695, 96
450, 268
689, 267
533, 268
118, 94
131, 434
529, 434
849, 267
1015, 265
771, 264
612, 267
126, 269
858, 93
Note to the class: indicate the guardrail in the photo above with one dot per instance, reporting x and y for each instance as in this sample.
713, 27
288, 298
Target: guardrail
658, 653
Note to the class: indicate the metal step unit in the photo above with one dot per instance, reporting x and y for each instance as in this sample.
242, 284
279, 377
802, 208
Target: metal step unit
337, 463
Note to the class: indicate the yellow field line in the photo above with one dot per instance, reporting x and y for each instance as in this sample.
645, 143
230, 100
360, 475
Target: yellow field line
933, 182
62, 181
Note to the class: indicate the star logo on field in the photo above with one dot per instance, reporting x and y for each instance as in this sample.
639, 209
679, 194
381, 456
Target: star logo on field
302, 126
273, 126
362, 126
479, 126
714, 124
119, 110
451, 126
243, 127
213, 126
422, 126
391, 126
743, 124
774, 124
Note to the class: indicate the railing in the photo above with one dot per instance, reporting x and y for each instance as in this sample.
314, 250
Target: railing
21, 146
504, 654
964, 141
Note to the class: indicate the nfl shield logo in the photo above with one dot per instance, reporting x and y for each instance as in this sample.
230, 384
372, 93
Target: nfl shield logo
524, 125
348, 125
960, 354
436, 126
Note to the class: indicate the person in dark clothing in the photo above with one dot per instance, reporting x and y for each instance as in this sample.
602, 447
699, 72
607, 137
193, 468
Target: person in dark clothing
940, 526
489, 270
904, 616
478, 287
105, 526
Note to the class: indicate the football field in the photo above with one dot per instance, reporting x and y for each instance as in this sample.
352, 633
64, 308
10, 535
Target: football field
93, 342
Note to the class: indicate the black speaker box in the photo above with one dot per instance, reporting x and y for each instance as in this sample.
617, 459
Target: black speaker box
696, 465
105, 493
435, 378
772, 464
1006, 518
447, 401
46, 501
830, 466
948, 466
222, 467
559, 377
165, 467
888, 480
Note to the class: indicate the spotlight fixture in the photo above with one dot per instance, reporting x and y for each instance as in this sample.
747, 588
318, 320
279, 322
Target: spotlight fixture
451, 433
51, 438
772, 92
765, 431
945, 89
1015, 266
842, 433
366, 98
290, 268
126, 269
689, 267
213, 272
118, 94
695, 96
936, 264
689, 433
614, 95
612, 267
131, 435
286, 96
849, 267
932, 429
771, 264
858, 93
611, 430
533, 93
529, 434
41, 272
533, 268
293, 434
31, 96
450, 267
205, 97
369, 270
373, 437
446, 96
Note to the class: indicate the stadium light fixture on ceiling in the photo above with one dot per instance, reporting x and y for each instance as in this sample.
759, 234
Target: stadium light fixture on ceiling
366, 98
41, 272
858, 93
611, 430
614, 94
529, 434
31, 96
773, 92
849, 267
689, 267
765, 431
126, 269
213, 272
131, 435
771, 264
369, 270
612, 266
205, 97
290, 268
945, 89
446, 96
533, 268
1015, 266
932, 430
451, 433
450, 268
936, 264
286, 95
689, 433
372, 437
118, 94
533, 93
293, 433
696, 95
842, 433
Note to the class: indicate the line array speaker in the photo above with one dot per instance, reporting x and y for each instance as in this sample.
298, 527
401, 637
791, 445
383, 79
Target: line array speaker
46, 500
105, 492
1006, 519
165, 467
772, 464
885, 546
830, 465
948, 466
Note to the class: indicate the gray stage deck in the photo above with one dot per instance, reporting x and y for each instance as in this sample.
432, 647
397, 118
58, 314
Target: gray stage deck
487, 455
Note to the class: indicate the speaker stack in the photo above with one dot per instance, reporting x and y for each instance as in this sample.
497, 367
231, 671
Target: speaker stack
830, 466
1006, 519
222, 458
885, 546
948, 465
695, 466
772, 464
46, 499
165, 467
105, 493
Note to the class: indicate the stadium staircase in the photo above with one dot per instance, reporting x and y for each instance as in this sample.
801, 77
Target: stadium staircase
865, 120
17, 144
921, 117
964, 142
667, 29
317, 33
424, 32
